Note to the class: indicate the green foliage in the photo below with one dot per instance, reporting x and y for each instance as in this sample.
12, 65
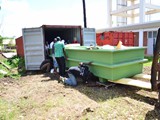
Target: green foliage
1, 75
16, 65
1, 38
149, 62
21, 66
150, 58
4, 69
13, 62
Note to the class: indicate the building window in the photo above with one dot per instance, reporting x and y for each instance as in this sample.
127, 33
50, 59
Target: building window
154, 34
150, 34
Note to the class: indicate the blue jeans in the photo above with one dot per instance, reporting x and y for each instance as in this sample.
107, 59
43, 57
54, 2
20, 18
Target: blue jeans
71, 80
55, 64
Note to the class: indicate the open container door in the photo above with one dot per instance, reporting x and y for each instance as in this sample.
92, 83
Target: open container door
89, 36
33, 42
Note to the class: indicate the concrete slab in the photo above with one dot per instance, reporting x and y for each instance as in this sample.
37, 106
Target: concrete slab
9, 55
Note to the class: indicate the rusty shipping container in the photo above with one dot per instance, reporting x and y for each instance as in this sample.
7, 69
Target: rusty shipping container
19, 46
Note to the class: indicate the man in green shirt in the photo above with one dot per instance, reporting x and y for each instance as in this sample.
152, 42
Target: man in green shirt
60, 56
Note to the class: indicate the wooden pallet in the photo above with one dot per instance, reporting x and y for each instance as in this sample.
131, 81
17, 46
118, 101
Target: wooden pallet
133, 82
139, 80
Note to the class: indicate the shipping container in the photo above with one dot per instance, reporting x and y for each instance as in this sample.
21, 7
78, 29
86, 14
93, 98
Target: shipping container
126, 35
107, 35
113, 37
121, 35
126, 42
98, 37
115, 42
88, 37
131, 35
19, 46
106, 42
131, 42
35, 38
116, 35
104, 38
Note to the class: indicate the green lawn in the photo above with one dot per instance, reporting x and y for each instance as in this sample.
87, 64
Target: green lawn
149, 62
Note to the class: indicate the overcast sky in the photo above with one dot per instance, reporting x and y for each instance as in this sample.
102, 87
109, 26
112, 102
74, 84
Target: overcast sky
18, 14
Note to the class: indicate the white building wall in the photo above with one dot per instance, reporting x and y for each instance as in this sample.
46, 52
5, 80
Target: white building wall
135, 12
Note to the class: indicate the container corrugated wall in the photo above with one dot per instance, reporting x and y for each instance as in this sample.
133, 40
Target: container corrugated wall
33, 42
19, 47
113, 37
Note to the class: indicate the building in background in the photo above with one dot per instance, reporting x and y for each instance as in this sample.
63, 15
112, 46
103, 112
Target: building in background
8, 43
139, 16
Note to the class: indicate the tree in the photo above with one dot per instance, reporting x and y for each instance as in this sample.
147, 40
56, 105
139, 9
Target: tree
1, 39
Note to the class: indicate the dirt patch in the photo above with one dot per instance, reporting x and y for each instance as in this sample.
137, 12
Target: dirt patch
39, 96
147, 70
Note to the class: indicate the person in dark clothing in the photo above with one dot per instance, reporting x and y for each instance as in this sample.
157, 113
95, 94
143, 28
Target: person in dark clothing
46, 49
47, 65
82, 71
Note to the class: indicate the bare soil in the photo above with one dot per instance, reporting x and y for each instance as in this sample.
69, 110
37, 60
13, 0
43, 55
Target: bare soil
147, 70
38, 97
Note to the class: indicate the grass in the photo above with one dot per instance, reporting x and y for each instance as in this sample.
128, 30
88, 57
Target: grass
16, 109
35, 99
9, 111
49, 103
149, 62
50, 100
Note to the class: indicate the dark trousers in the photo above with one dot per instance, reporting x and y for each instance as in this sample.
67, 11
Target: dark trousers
62, 65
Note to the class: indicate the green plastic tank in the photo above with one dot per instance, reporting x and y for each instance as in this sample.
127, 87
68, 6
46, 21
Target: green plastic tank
111, 64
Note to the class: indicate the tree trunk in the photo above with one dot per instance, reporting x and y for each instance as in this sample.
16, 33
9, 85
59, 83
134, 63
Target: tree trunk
155, 66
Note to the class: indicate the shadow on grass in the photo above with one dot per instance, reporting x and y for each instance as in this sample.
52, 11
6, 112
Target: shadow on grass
154, 114
51, 77
100, 94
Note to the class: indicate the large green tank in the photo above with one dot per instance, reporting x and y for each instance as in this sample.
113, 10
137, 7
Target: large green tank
111, 64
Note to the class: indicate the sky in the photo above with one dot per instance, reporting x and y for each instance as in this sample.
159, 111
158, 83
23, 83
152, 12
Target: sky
18, 14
